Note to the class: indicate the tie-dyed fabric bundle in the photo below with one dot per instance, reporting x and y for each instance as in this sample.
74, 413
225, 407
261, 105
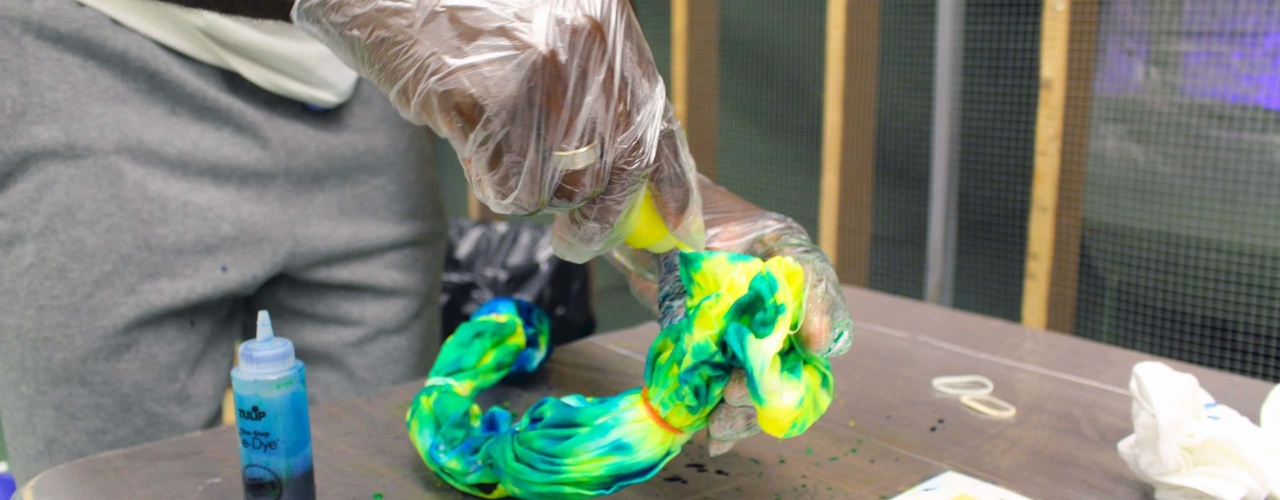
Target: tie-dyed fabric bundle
724, 311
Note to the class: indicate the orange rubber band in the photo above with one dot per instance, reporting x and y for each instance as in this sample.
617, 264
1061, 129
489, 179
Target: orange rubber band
653, 413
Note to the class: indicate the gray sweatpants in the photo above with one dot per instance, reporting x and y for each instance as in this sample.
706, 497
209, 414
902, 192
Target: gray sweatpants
149, 204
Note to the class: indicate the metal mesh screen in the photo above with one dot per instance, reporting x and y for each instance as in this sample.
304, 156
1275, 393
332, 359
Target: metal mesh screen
1180, 236
999, 93
904, 113
769, 139
995, 138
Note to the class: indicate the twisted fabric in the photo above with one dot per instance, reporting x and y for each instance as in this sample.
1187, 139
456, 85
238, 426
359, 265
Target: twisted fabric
738, 312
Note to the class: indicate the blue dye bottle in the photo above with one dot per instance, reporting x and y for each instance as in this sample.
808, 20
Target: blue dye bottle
270, 391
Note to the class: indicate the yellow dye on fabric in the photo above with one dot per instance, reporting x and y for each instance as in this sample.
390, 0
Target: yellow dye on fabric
740, 312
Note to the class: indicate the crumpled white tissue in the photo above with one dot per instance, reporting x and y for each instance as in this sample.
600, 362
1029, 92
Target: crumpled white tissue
1190, 447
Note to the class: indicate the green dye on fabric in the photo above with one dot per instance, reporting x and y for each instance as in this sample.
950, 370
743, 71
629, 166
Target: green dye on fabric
739, 312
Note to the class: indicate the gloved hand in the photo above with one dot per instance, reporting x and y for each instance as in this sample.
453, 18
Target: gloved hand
735, 225
554, 106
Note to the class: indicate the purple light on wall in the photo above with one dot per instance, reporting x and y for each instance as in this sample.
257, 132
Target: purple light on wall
1124, 47
1232, 51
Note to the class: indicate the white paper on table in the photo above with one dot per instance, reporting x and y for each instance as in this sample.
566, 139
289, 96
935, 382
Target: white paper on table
952, 485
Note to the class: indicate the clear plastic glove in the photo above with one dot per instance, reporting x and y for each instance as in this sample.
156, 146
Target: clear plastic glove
735, 225
554, 106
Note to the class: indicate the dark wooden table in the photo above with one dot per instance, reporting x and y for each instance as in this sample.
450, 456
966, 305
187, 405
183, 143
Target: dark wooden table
886, 431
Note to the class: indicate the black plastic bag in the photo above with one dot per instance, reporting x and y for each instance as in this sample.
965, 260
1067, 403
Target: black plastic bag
514, 259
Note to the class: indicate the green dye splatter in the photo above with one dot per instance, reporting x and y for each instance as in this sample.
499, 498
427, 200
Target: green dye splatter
808, 451
855, 450
782, 461
832, 459
754, 461
829, 489
377, 496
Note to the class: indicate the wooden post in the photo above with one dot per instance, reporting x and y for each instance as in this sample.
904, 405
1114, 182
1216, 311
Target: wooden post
849, 136
1075, 157
695, 76
1042, 222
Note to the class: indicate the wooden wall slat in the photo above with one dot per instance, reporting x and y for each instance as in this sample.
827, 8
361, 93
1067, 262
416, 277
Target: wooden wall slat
849, 136
1042, 222
695, 76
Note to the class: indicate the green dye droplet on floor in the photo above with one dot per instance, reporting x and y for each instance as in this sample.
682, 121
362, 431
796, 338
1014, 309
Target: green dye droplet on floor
855, 450
782, 461
377, 496
832, 459
808, 451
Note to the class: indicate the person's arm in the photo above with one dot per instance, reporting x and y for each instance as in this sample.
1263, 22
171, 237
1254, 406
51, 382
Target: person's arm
276, 10
553, 106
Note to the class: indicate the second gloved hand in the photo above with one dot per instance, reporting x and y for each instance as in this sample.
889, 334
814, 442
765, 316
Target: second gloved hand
735, 225
554, 106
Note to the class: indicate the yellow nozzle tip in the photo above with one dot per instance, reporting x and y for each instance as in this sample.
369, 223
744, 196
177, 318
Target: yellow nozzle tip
651, 231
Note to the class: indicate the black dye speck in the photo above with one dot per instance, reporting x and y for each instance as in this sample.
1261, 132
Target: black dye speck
721, 473
873, 460
702, 469
933, 429
224, 269
675, 479
941, 421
